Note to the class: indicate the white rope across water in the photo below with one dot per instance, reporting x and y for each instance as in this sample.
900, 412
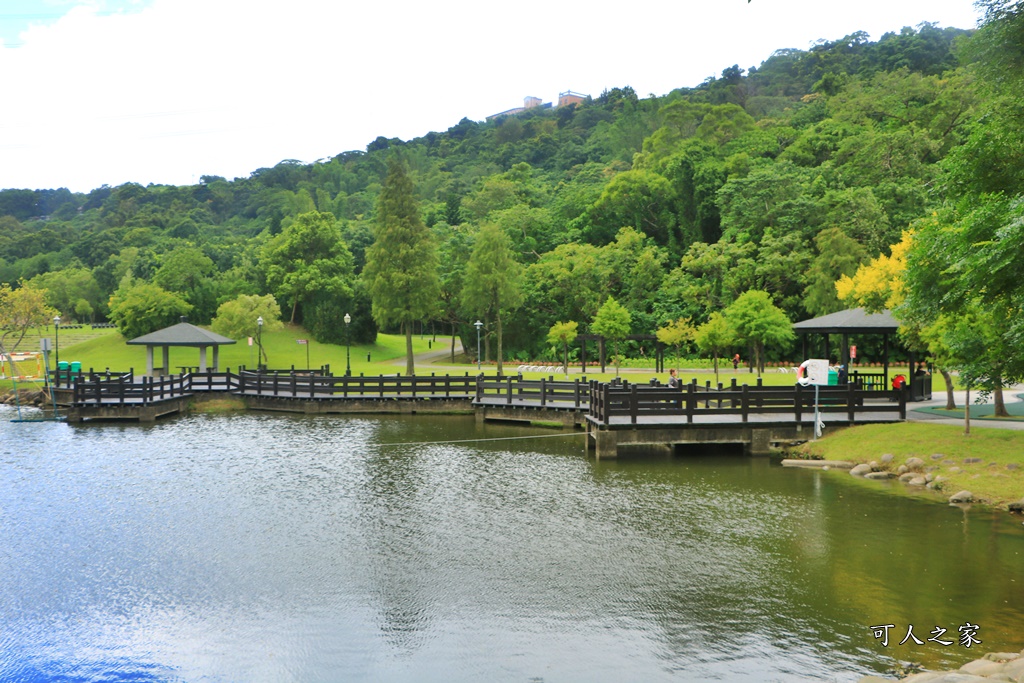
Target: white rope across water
497, 438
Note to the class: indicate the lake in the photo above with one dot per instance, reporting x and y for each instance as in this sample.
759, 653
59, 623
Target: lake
260, 547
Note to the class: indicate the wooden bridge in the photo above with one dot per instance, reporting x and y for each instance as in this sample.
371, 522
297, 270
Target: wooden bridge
614, 413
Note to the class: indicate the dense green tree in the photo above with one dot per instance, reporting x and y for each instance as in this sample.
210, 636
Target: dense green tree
492, 281
64, 289
759, 324
138, 308
401, 272
183, 269
838, 255
308, 257
715, 337
612, 322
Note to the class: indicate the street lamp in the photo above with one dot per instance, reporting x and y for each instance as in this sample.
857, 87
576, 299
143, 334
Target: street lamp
348, 347
56, 344
259, 341
478, 325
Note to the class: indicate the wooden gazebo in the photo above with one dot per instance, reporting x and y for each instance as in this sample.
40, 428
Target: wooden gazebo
182, 334
854, 322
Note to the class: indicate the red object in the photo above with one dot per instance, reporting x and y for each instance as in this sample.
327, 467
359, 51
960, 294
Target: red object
899, 381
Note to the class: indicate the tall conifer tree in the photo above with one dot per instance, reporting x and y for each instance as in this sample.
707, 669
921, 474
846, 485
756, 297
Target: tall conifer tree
401, 271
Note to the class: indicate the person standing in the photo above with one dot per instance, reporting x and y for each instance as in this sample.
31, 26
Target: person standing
736, 363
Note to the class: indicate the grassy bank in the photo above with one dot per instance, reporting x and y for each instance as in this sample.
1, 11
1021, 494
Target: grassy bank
989, 463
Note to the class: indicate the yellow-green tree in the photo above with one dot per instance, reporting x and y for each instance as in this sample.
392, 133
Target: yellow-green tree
21, 309
675, 333
612, 322
564, 334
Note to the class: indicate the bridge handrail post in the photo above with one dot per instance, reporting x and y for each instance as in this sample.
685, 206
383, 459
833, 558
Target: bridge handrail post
903, 403
543, 392
606, 404
576, 393
508, 391
634, 406
691, 402
745, 403
798, 400
851, 403
479, 387
312, 384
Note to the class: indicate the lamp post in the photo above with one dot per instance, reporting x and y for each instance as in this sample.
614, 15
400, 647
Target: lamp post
348, 347
56, 344
478, 325
259, 342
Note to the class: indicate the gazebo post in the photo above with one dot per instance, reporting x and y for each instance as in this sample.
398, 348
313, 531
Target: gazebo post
828, 354
202, 359
803, 346
844, 354
885, 360
167, 361
149, 360
216, 359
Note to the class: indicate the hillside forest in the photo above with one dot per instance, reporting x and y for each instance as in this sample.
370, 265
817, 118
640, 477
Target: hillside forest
892, 167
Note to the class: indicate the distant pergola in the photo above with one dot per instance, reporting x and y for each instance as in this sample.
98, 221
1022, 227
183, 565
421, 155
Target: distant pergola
182, 334
857, 321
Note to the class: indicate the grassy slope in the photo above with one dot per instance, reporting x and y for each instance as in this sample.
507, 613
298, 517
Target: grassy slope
988, 479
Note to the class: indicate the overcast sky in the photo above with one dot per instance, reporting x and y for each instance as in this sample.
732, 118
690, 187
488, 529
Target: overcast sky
165, 91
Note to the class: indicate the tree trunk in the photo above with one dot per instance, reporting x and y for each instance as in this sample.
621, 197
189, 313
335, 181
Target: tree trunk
497, 320
950, 400
716, 368
453, 342
487, 339
295, 307
410, 366
967, 413
999, 409
565, 359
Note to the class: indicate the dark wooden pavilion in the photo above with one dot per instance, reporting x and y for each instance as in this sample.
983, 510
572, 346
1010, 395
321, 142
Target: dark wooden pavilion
857, 322
182, 334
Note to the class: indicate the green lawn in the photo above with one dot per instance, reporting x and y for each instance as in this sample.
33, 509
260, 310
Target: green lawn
943, 447
106, 348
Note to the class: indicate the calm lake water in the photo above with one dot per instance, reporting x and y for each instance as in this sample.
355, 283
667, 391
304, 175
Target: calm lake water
270, 548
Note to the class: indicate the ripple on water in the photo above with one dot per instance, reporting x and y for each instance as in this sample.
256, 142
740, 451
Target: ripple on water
262, 547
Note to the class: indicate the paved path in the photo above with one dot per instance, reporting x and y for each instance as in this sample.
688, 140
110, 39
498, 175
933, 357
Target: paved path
939, 400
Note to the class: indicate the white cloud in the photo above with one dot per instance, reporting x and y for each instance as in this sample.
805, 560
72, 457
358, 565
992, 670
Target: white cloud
185, 88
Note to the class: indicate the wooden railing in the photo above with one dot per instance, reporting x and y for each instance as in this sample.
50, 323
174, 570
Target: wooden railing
378, 387
542, 393
96, 390
67, 378
637, 401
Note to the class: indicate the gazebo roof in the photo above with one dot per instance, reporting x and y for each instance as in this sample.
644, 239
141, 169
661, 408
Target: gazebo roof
182, 334
853, 321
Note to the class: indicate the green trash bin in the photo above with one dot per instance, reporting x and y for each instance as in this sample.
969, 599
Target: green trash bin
76, 367
63, 366
833, 377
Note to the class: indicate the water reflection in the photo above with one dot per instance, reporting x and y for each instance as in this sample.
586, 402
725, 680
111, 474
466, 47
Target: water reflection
262, 547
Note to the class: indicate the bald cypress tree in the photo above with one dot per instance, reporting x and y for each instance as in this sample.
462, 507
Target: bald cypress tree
401, 271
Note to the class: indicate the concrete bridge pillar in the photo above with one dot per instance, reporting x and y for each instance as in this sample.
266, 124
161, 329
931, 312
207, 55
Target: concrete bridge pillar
760, 442
606, 444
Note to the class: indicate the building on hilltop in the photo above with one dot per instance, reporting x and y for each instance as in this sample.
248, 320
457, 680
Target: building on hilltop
569, 97
564, 99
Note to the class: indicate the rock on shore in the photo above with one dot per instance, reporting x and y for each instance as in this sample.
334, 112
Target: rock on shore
995, 666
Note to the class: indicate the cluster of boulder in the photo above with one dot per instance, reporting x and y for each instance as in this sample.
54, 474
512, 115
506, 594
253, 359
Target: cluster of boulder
914, 472
995, 666
26, 397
